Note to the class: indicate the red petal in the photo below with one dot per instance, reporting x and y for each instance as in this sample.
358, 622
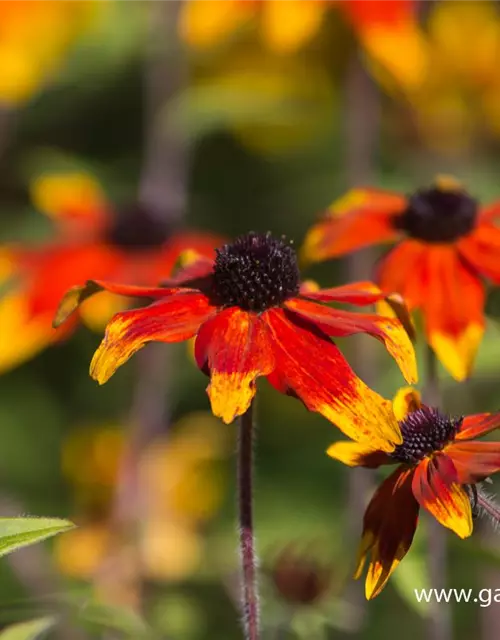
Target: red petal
437, 489
478, 425
173, 319
358, 293
481, 249
234, 346
474, 461
453, 307
336, 322
490, 212
314, 368
388, 528
361, 218
400, 271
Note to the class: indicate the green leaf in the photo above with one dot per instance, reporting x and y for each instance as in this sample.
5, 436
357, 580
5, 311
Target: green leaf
113, 618
31, 630
20, 532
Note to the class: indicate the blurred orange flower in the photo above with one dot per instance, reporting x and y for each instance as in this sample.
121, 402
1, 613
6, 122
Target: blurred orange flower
91, 239
252, 318
34, 40
182, 486
446, 245
384, 27
438, 460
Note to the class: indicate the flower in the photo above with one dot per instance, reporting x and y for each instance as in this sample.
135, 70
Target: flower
252, 318
34, 39
182, 485
446, 245
438, 460
91, 238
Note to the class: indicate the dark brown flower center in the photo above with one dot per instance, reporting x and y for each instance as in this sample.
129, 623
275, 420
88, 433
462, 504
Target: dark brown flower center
137, 229
424, 431
438, 215
255, 272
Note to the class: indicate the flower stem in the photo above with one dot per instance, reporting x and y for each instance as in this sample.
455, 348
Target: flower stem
488, 506
249, 593
439, 621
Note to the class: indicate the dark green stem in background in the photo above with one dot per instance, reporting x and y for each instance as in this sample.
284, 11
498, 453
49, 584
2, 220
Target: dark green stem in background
439, 620
249, 590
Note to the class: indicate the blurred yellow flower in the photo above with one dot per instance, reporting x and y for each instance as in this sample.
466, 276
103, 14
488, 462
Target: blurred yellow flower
181, 488
34, 39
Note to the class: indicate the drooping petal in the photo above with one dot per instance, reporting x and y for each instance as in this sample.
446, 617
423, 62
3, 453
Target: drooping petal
354, 454
400, 271
234, 348
453, 309
388, 528
407, 400
474, 461
310, 365
478, 425
481, 249
337, 323
173, 319
357, 293
361, 218
77, 295
437, 488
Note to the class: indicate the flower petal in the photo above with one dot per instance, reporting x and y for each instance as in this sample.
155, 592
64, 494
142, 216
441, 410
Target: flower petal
173, 319
358, 293
309, 364
288, 24
474, 461
437, 489
360, 218
388, 528
454, 310
478, 425
407, 400
354, 454
400, 271
77, 295
481, 249
235, 349
336, 322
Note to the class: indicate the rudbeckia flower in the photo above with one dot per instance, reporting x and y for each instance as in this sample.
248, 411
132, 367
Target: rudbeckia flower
383, 27
91, 238
34, 39
251, 318
447, 244
438, 460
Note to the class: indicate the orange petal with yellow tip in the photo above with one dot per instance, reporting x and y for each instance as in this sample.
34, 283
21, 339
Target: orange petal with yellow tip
474, 461
339, 323
437, 489
359, 219
357, 293
401, 271
77, 295
175, 318
354, 454
389, 525
407, 400
481, 249
234, 348
478, 425
310, 366
453, 306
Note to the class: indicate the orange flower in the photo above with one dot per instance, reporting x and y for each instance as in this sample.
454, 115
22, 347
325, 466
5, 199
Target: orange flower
447, 245
251, 318
90, 239
439, 459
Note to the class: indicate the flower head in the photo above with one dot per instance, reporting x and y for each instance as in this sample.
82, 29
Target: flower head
92, 238
251, 318
447, 244
439, 459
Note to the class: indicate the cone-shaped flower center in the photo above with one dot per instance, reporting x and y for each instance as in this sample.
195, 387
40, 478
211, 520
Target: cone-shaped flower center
137, 229
255, 272
424, 432
438, 215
